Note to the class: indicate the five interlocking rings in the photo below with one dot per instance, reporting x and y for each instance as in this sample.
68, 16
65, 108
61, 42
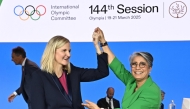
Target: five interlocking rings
29, 14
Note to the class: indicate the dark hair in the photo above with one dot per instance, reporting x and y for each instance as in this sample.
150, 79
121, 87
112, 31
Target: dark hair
110, 88
162, 92
19, 51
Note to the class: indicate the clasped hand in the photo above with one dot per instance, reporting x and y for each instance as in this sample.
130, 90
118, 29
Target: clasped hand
98, 36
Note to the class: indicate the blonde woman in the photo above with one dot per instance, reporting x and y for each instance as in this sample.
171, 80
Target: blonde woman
57, 86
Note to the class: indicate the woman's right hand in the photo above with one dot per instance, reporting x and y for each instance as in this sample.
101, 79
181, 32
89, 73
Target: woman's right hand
102, 38
96, 36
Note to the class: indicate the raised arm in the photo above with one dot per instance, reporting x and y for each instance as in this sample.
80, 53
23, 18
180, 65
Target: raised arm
96, 38
116, 66
102, 70
105, 48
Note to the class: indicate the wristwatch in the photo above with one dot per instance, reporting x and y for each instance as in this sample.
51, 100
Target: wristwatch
103, 44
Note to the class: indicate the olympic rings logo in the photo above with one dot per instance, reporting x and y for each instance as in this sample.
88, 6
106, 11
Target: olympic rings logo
29, 14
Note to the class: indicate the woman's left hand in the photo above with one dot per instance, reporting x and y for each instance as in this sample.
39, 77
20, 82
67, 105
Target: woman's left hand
90, 105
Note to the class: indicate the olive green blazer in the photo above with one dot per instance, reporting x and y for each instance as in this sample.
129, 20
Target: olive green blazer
148, 96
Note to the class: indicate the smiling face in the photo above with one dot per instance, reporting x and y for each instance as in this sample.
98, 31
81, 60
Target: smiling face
62, 54
140, 68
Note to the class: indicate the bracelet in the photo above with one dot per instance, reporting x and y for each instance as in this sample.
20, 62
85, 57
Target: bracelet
103, 44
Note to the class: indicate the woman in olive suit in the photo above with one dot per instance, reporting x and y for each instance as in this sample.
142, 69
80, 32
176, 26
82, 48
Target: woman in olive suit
141, 91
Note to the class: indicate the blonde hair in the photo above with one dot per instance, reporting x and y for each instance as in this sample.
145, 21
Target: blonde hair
48, 56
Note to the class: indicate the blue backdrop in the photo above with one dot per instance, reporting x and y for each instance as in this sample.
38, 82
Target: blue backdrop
170, 69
